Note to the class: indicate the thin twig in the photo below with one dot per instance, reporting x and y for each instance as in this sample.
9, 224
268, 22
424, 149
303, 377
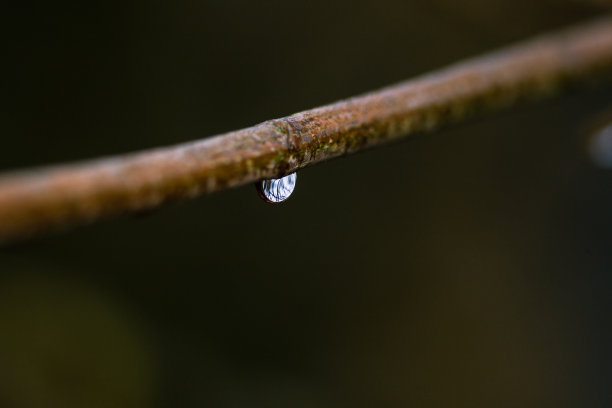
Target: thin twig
57, 197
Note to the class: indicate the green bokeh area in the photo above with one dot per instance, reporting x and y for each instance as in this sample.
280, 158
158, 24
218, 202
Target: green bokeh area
470, 268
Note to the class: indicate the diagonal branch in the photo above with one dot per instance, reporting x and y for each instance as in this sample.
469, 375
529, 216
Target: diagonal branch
37, 200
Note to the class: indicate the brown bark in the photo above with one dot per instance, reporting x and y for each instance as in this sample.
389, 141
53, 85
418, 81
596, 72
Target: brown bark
57, 197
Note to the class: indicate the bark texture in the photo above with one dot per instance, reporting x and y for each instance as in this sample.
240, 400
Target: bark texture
57, 197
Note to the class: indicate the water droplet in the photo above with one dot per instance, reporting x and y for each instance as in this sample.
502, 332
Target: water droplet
277, 190
600, 147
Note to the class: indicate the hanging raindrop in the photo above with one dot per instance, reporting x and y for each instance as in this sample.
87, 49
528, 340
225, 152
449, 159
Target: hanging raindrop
276, 190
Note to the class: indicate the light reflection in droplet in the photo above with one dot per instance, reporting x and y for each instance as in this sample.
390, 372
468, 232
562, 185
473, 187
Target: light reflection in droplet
600, 147
277, 190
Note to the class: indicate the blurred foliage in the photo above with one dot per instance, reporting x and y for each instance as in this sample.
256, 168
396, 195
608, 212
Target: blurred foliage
64, 345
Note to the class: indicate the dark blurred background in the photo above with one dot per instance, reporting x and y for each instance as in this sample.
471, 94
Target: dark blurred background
471, 268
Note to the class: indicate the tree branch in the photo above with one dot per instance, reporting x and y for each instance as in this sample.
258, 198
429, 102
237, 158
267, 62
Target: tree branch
38, 200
